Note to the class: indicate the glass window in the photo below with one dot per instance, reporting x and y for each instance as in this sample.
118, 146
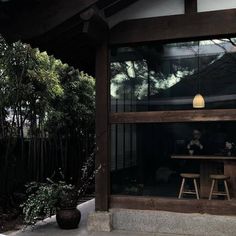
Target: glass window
167, 76
142, 160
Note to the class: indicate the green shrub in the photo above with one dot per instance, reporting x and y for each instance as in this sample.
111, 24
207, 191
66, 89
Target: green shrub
44, 198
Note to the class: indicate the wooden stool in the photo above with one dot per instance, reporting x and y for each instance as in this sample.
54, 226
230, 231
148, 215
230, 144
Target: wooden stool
216, 178
193, 177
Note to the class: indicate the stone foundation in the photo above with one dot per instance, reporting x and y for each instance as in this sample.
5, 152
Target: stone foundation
162, 222
100, 222
173, 223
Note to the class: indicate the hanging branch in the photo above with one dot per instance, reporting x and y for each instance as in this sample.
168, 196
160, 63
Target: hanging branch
225, 50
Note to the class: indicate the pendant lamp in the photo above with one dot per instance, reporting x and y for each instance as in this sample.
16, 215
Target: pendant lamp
198, 100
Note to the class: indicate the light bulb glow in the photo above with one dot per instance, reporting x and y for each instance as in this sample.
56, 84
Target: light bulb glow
198, 101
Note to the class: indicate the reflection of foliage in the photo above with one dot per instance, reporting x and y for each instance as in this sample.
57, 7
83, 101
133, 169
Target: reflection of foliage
134, 78
149, 70
134, 188
129, 78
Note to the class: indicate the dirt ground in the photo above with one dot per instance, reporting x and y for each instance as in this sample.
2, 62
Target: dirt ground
10, 220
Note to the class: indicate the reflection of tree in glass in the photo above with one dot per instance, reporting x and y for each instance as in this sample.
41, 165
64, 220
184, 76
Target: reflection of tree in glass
153, 70
141, 79
129, 78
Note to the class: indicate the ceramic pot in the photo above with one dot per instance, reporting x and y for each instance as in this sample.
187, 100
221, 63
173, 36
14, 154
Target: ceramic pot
68, 218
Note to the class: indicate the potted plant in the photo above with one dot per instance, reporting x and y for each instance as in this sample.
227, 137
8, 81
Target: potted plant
57, 197
47, 199
67, 215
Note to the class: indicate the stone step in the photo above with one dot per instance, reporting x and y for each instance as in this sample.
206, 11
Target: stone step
173, 223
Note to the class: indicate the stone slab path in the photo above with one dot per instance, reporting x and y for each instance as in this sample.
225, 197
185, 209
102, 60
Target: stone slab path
49, 227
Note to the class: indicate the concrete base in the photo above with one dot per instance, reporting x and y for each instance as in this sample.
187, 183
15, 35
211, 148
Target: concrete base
100, 222
173, 223
138, 223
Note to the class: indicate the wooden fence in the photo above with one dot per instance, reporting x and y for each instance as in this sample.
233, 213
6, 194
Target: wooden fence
38, 158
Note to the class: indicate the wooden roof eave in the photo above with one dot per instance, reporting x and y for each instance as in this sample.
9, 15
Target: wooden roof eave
176, 27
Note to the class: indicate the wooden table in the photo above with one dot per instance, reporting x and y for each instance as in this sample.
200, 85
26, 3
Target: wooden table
208, 165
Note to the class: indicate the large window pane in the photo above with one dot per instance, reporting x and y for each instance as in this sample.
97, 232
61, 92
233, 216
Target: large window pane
168, 76
142, 160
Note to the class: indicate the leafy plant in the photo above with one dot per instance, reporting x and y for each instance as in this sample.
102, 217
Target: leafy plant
44, 198
42, 201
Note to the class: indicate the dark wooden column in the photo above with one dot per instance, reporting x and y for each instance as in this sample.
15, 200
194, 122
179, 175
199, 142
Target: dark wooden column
190, 6
230, 170
102, 189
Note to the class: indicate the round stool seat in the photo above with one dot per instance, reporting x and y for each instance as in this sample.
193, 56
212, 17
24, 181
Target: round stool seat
219, 177
190, 175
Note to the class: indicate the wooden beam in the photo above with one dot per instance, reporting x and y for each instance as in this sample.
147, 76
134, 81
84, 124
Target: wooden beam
94, 26
88, 26
190, 6
88, 14
173, 116
105, 3
214, 207
118, 6
33, 18
178, 27
102, 189
68, 28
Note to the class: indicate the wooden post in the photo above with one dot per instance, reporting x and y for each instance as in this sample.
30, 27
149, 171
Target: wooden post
190, 6
207, 168
102, 189
230, 170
